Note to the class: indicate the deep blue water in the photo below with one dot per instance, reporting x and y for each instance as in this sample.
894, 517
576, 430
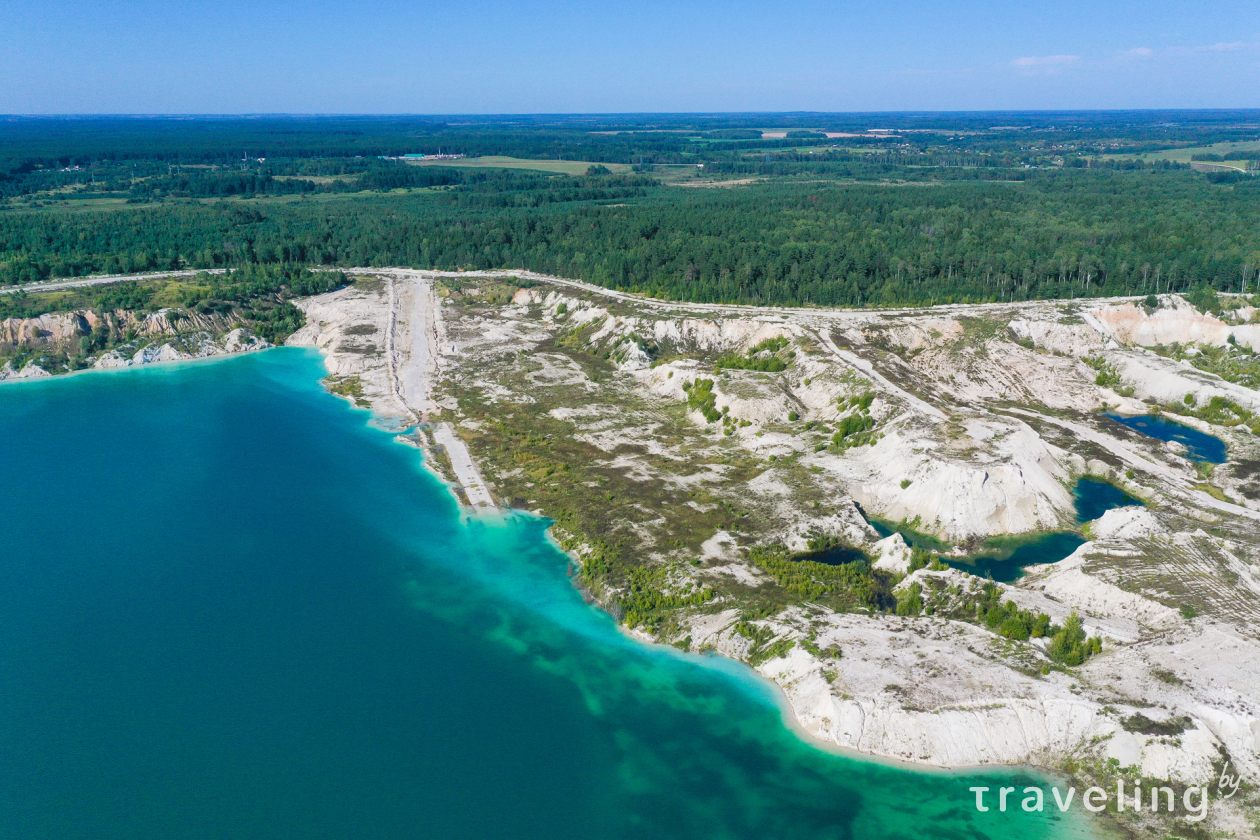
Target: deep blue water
1200, 445
1094, 498
229, 608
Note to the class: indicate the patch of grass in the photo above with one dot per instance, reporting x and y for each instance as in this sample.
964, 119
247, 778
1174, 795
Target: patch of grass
1233, 363
350, 387
700, 397
774, 650
562, 167
1108, 376
1143, 725
845, 588
1166, 676
648, 599
1215, 492
855, 429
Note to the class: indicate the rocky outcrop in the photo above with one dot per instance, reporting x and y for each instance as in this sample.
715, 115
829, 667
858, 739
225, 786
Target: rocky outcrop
892, 554
196, 346
28, 371
137, 338
63, 330
1019, 487
1174, 322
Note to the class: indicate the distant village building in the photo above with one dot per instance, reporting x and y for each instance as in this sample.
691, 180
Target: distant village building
420, 157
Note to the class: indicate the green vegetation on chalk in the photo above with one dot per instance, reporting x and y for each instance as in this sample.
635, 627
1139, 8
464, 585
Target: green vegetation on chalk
646, 603
700, 397
763, 357
1218, 410
846, 586
1108, 376
1068, 644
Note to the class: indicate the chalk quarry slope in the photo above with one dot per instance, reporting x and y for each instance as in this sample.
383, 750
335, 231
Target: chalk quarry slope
981, 418
163, 336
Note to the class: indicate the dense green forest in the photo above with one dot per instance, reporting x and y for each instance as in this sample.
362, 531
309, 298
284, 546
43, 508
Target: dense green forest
967, 210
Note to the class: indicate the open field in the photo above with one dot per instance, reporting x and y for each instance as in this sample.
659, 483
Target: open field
1184, 155
560, 167
91, 204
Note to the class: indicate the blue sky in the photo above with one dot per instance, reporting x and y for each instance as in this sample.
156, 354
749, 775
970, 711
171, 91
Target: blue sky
574, 56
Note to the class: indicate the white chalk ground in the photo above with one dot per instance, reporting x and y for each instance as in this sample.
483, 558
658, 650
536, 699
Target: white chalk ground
925, 690
416, 366
464, 468
408, 331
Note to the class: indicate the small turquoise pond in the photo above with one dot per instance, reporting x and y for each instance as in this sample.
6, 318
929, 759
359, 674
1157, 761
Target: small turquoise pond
1200, 446
1008, 565
1094, 498
913, 538
1004, 559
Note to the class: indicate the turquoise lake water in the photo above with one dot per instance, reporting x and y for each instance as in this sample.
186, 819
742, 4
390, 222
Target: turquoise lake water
229, 608
1009, 558
1094, 498
1005, 560
1200, 446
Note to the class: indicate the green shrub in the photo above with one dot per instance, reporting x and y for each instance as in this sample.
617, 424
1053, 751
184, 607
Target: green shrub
700, 397
645, 603
910, 601
1205, 299
847, 585
768, 364
761, 357
770, 345
1070, 645
852, 429
1108, 376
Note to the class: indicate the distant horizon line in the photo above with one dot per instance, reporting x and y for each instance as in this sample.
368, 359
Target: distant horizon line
246, 115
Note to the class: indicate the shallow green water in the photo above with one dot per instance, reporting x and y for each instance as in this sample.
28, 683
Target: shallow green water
231, 609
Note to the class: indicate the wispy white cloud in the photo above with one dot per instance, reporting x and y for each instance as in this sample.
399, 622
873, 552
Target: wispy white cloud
1045, 60
1207, 49
1044, 65
1123, 58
